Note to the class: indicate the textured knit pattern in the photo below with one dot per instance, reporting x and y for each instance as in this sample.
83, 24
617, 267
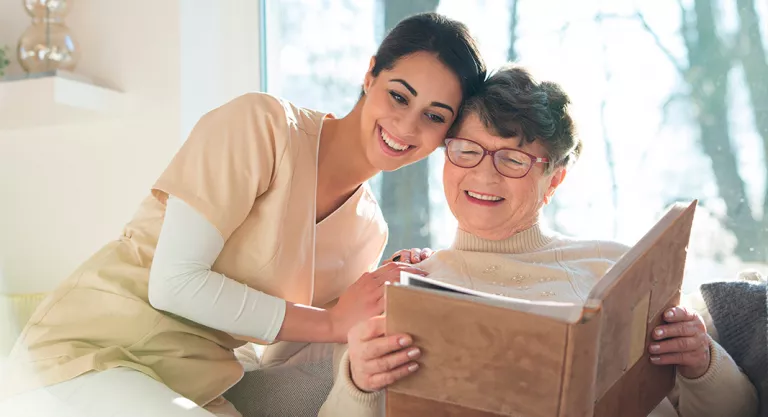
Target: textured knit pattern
740, 313
284, 390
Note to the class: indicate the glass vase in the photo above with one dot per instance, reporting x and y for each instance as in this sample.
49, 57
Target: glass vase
47, 44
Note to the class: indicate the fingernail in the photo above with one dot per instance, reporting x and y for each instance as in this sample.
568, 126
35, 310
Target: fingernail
413, 353
655, 348
413, 367
669, 314
403, 341
655, 358
659, 332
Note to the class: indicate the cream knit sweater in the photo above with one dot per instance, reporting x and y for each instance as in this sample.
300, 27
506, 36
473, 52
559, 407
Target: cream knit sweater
540, 265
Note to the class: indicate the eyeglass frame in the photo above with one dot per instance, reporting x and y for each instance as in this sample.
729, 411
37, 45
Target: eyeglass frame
534, 159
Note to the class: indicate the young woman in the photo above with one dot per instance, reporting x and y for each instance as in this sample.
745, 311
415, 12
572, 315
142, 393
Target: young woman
259, 224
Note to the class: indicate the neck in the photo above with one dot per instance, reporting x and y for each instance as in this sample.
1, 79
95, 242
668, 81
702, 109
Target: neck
506, 231
524, 241
342, 162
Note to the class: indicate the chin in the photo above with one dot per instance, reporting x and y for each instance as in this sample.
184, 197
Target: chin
385, 157
479, 227
382, 162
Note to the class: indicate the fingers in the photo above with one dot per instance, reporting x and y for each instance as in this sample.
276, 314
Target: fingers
410, 256
679, 344
393, 270
695, 358
679, 314
684, 329
683, 342
381, 380
413, 270
418, 255
386, 353
397, 257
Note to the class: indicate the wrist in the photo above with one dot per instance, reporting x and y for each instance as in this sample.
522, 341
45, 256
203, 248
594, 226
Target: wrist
334, 326
692, 373
696, 372
355, 384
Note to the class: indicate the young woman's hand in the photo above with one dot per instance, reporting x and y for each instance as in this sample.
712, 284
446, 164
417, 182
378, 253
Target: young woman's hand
365, 298
410, 256
682, 342
377, 360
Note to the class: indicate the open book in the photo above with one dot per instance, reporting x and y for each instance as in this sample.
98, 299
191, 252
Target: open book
490, 355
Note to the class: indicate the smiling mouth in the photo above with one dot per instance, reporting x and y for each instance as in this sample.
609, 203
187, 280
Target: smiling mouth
483, 199
392, 144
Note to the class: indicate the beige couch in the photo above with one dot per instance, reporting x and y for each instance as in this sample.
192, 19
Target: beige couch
15, 310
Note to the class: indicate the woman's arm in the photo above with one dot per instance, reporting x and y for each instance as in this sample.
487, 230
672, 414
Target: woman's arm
723, 391
709, 383
372, 362
181, 282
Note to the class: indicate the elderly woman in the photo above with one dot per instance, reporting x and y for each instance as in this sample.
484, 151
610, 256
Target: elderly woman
514, 144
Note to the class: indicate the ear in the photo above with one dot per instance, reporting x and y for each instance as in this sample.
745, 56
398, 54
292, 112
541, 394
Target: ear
557, 178
369, 75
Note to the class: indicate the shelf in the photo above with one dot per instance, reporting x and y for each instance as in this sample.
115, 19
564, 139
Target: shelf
54, 98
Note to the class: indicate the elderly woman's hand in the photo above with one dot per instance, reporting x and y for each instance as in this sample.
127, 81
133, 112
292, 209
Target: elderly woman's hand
377, 360
683, 342
410, 256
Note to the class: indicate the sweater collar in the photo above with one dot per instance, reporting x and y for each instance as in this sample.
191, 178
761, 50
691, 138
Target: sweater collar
528, 240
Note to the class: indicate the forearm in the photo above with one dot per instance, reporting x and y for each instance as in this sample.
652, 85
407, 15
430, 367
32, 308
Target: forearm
307, 324
346, 399
181, 282
724, 391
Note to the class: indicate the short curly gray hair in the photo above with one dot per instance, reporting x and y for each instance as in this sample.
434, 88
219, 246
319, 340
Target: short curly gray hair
511, 100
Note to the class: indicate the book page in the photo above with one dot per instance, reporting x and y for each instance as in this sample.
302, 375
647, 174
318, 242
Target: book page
567, 312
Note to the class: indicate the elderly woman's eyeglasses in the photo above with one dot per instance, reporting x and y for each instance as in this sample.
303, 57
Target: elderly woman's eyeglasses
511, 163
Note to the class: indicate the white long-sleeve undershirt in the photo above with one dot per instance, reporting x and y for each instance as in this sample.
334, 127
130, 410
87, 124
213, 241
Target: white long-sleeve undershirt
181, 281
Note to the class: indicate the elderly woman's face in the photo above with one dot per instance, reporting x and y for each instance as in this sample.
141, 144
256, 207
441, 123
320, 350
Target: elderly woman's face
488, 204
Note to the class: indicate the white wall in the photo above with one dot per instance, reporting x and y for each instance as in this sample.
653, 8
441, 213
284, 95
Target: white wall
67, 190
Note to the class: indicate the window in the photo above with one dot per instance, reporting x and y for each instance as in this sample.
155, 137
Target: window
664, 115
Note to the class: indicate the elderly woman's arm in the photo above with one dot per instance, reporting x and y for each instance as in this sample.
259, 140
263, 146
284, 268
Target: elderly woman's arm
723, 391
346, 399
709, 382
379, 361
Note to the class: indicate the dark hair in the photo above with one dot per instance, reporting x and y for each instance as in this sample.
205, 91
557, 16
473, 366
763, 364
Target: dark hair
512, 100
448, 39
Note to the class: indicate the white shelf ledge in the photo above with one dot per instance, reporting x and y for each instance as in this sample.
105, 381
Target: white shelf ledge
54, 98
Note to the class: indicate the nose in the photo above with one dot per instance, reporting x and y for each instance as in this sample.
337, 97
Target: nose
486, 168
409, 124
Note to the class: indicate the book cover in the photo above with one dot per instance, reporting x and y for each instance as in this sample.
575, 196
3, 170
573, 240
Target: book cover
485, 354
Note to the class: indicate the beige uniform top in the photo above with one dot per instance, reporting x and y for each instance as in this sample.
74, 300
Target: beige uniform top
250, 168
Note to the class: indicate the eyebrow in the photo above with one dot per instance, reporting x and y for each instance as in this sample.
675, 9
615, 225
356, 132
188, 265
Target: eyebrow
416, 94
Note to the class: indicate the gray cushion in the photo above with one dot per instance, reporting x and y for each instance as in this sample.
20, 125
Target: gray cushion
283, 390
740, 314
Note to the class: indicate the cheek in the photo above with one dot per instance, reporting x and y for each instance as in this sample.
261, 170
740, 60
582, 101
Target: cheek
451, 181
523, 191
431, 137
376, 107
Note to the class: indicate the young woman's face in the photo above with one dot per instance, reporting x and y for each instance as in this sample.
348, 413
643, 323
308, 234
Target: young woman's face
408, 110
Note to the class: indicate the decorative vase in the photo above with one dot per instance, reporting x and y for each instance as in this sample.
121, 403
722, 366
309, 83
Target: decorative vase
47, 45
